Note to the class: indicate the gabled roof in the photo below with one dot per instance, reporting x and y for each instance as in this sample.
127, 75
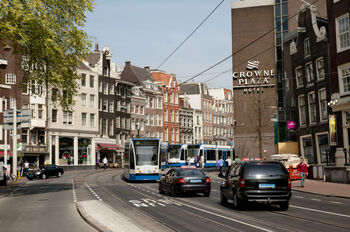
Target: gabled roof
191, 88
93, 58
165, 78
82, 66
141, 74
135, 74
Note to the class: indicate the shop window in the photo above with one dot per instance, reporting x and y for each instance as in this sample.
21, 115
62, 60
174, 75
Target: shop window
307, 148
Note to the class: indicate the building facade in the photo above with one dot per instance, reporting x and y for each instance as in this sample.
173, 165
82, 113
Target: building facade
138, 104
186, 122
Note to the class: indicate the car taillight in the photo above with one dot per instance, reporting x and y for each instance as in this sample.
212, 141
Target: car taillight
181, 180
207, 180
241, 183
289, 183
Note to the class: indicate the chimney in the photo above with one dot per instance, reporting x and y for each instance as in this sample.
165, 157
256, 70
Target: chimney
96, 47
127, 63
147, 68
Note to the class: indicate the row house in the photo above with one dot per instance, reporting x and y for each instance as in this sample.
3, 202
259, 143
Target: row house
308, 84
171, 109
222, 115
142, 78
197, 126
339, 46
186, 121
138, 104
200, 99
73, 132
10, 94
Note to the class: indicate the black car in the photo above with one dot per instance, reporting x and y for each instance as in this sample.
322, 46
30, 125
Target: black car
256, 181
183, 180
45, 172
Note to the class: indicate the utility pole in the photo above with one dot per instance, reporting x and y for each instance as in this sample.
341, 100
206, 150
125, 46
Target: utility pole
14, 140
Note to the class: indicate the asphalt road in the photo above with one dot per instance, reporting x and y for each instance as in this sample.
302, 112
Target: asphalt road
195, 212
48, 205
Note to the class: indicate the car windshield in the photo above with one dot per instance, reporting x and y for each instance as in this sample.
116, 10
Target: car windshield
191, 172
264, 169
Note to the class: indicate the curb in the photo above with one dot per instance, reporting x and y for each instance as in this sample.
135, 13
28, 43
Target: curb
320, 194
90, 220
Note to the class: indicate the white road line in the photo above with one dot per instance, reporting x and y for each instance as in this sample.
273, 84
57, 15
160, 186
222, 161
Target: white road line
320, 211
228, 218
315, 199
214, 190
336, 202
299, 197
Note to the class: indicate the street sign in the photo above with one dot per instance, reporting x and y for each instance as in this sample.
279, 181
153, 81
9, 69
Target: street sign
23, 118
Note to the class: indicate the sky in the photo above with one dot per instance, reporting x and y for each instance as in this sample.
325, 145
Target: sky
145, 32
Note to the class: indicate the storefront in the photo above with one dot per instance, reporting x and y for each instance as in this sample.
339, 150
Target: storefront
113, 152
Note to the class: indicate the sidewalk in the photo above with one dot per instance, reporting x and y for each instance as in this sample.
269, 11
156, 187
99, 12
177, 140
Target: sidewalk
323, 188
11, 187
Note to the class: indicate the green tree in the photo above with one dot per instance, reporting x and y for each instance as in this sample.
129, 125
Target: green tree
49, 36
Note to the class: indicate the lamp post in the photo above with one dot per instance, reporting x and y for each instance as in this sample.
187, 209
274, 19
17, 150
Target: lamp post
234, 125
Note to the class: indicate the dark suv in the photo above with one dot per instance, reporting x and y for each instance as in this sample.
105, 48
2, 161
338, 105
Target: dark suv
256, 181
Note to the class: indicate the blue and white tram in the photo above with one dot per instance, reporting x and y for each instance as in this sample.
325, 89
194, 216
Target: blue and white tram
208, 153
142, 159
177, 155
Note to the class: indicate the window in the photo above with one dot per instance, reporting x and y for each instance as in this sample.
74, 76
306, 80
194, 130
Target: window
83, 119
152, 120
344, 72
111, 89
165, 115
177, 116
322, 98
10, 78
34, 136
104, 126
312, 107
67, 117
54, 116
92, 100
92, 119
92, 80
159, 102
100, 87
307, 149
176, 98
111, 106
105, 88
12, 103
147, 119
172, 98
105, 105
83, 99
111, 127
172, 116
165, 97
83, 79
322, 146
302, 109
320, 69
24, 135
343, 33
309, 72
306, 47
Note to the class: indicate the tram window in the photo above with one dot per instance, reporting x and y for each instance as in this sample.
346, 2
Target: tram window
201, 153
182, 154
220, 154
211, 155
132, 159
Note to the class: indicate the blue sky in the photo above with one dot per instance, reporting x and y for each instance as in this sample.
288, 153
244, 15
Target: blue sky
145, 32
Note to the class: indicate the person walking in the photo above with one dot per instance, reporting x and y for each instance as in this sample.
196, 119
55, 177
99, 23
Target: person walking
302, 168
105, 161
221, 164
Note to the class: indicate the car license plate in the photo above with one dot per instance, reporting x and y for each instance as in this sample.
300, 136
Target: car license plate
267, 186
195, 181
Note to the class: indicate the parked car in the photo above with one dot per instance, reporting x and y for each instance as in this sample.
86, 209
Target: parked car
256, 181
45, 172
185, 179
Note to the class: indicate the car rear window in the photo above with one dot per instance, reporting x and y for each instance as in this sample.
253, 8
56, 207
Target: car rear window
264, 169
191, 172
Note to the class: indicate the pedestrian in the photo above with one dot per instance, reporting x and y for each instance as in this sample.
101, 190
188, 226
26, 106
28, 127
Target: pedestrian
302, 168
105, 161
97, 162
26, 167
221, 164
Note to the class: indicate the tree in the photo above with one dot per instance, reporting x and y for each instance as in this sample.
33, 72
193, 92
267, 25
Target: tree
49, 36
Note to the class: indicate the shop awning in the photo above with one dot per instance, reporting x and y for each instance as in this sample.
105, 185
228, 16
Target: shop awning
2, 153
108, 146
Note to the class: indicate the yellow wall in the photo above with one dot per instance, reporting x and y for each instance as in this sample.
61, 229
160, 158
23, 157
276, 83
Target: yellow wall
288, 148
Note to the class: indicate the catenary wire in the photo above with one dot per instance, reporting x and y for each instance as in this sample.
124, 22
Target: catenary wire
244, 47
189, 35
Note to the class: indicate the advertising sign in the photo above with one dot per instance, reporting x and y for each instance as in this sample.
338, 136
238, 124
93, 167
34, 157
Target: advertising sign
292, 125
332, 130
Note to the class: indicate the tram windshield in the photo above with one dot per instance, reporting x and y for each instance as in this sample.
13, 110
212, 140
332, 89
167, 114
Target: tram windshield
146, 154
174, 151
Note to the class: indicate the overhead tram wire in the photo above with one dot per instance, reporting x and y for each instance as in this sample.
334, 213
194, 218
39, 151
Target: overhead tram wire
244, 47
189, 35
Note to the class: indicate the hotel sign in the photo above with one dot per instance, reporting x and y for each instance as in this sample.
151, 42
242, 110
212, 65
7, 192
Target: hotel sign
253, 80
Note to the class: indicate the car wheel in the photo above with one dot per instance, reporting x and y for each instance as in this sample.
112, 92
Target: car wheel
173, 192
206, 194
43, 176
237, 203
161, 191
284, 206
59, 174
223, 199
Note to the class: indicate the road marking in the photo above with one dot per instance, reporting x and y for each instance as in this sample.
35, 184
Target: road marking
93, 192
214, 190
299, 197
320, 211
75, 199
336, 202
315, 199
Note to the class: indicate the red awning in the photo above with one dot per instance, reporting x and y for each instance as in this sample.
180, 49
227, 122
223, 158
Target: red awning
108, 146
2, 153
